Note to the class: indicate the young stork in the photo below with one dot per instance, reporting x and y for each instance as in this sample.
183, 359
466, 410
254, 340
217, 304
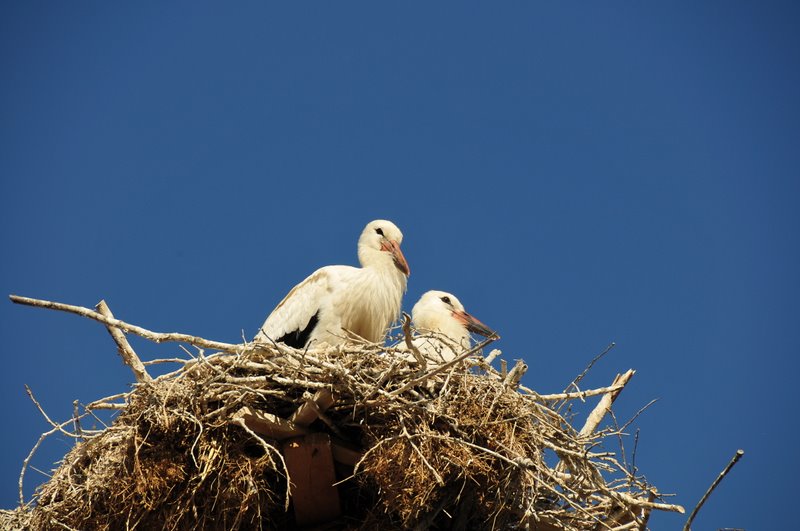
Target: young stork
442, 312
337, 301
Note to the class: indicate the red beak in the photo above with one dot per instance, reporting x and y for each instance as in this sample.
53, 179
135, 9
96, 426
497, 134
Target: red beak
399, 260
473, 325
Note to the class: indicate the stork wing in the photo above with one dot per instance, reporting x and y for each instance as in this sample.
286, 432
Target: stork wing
294, 319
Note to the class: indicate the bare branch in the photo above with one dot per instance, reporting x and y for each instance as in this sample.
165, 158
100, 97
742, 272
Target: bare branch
596, 416
516, 374
579, 395
123, 347
57, 427
156, 337
410, 344
736, 457
443, 367
574, 383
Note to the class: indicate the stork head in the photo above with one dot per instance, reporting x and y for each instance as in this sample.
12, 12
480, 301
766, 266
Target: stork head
439, 311
380, 243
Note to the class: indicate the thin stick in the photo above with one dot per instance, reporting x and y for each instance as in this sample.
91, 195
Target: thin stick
106, 399
76, 418
166, 360
736, 457
642, 410
631, 500
58, 427
442, 367
410, 344
26, 462
156, 337
436, 475
588, 367
106, 405
123, 347
633, 455
267, 448
580, 394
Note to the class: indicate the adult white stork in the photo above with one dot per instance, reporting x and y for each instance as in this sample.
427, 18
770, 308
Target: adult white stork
337, 301
442, 312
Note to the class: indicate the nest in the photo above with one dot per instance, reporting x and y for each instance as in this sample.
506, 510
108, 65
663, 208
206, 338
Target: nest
352, 437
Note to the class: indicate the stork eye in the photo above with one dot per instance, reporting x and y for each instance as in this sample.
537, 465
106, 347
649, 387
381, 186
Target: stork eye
379, 231
446, 300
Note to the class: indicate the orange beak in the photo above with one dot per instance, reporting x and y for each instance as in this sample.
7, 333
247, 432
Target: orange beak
393, 247
473, 325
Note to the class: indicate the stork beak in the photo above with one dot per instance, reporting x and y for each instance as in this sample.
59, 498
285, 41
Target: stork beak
397, 255
473, 325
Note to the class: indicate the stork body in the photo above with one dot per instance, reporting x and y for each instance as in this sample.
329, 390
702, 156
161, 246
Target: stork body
443, 313
335, 302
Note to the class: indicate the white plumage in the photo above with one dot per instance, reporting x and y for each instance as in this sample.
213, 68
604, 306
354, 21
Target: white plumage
442, 312
337, 301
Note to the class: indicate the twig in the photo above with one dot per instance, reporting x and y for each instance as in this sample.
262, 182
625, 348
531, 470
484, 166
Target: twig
645, 512
636, 415
631, 500
436, 474
736, 457
106, 399
410, 344
588, 367
267, 448
513, 378
107, 405
76, 418
442, 367
58, 427
165, 360
602, 407
492, 355
633, 454
579, 394
123, 347
156, 337
45, 435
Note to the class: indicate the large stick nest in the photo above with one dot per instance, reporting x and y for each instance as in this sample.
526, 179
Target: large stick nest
453, 447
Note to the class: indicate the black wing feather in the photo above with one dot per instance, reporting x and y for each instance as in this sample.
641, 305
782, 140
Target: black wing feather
299, 338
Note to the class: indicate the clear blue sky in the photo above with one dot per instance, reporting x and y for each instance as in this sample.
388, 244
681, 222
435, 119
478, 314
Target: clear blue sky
575, 173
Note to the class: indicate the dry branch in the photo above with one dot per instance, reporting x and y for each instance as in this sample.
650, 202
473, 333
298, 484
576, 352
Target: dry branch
156, 337
123, 347
597, 414
578, 394
410, 344
738, 455
516, 374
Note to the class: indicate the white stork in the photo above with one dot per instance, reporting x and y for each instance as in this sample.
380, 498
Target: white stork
442, 312
337, 301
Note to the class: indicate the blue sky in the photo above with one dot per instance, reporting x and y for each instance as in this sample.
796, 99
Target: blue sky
575, 173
